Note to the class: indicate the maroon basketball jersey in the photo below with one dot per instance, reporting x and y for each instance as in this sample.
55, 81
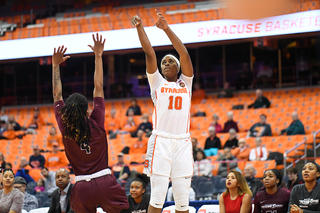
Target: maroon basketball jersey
277, 202
81, 162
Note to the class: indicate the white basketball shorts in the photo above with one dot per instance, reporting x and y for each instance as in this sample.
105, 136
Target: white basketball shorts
169, 157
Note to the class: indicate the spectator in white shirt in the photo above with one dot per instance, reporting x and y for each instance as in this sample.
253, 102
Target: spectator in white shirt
258, 153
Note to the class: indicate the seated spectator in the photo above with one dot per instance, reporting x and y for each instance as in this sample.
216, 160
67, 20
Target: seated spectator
226, 92
11, 199
261, 128
232, 142
245, 78
38, 116
40, 186
243, 151
56, 158
230, 123
138, 199
293, 178
140, 146
212, 141
260, 102
112, 123
258, 153
223, 167
264, 75
61, 196
134, 106
254, 184
237, 197
24, 169
14, 124
129, 126
274, 197
192, 194
215, 123
296, 127
8, 165
2, 161
9, 134
3, 115
54, 138
36, 160
145, 125
202, 165
120, 170
198, 94
49, 180
305, 197
3, 127
195, 148
31, 129
30, 201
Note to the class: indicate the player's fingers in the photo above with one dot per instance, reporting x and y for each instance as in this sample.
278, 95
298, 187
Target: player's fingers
90, 46
58, 49
104, 40
93, 37
54, 51
97, 35
64, 51
100, 38
65, 58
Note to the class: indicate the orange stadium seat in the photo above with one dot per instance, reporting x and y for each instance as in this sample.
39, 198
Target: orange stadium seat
262, 166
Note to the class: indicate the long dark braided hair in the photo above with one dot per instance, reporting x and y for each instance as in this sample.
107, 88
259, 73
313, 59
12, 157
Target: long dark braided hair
74, 115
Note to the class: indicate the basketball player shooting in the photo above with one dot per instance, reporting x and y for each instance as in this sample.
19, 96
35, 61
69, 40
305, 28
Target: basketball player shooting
169, 151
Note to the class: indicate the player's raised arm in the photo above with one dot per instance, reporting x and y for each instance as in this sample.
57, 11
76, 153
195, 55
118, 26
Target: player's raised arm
98, 72
57, 59
186, 65
151, 59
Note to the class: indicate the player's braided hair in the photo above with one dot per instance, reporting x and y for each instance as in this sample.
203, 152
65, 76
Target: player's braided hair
74, 115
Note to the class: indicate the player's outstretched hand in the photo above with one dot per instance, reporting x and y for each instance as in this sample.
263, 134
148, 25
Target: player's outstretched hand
98, 44
136, 21
57, 57
161, 23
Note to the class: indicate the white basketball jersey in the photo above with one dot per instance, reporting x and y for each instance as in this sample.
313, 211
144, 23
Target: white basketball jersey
172, 103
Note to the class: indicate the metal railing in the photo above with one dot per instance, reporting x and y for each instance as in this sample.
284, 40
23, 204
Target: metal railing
303, 157
285, 156
315, 146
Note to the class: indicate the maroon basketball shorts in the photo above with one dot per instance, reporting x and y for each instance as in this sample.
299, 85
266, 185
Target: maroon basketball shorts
103, 191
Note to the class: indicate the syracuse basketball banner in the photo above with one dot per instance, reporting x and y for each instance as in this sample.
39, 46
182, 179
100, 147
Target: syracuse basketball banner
195, 32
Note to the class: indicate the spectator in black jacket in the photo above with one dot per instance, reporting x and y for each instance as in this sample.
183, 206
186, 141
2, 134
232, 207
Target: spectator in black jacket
260, 102
134, 106
254, 184
36, 160
293, 178
232, 142
261, 128
212, 141
13, 122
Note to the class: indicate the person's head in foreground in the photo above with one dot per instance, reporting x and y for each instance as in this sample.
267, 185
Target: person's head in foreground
137, 189
170, 66
236, 181
272, 179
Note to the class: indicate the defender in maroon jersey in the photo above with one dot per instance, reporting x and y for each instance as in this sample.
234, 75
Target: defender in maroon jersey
85, 141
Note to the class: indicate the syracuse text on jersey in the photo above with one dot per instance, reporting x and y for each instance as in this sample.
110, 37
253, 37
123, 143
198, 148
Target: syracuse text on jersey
173, 90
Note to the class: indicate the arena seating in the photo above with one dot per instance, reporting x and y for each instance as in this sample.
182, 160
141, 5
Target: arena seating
283, 103
113, 17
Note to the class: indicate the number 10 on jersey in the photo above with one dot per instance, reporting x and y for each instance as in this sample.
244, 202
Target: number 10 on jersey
176, 102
